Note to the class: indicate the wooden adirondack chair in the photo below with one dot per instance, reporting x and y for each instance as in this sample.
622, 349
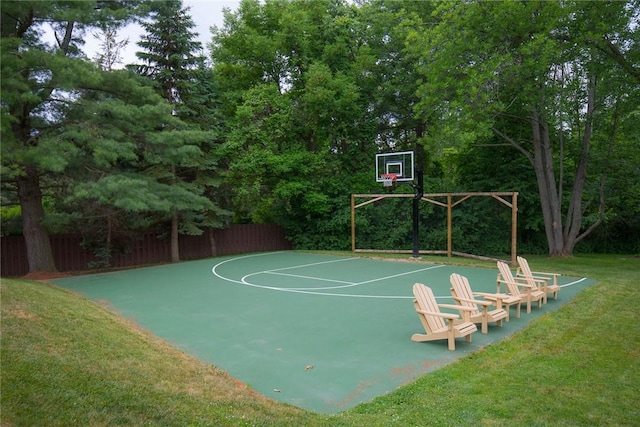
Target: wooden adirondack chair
516, 288
433, 320
539, 279
464, 296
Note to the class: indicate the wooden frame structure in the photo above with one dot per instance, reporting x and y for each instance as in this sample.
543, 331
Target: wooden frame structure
451, 200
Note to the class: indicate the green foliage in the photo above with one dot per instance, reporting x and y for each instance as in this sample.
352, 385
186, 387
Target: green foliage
168, 51
10, 220
304, 133
532, 75
41, 86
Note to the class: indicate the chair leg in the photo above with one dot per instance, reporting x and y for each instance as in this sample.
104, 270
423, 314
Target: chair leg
451, 336
485, 318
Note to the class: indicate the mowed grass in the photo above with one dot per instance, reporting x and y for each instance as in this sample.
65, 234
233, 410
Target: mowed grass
68, 361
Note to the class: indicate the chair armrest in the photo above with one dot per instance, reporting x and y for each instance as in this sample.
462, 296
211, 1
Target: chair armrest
474, 301
547, 279
554, 276
517, 283
464, 311
457, 307
522, 280
547, 274
496, 297
444, 315
488, 295
541, 281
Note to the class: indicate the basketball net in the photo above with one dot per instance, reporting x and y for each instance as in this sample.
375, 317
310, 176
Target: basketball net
388, 179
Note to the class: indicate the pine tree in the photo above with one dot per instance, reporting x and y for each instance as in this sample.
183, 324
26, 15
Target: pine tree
173, 59
169, 50
109, 55
41, 80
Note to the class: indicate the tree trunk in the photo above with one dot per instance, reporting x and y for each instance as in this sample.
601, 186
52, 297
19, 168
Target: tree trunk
175, 247
550, 203
574, 212
39, 253
175, 243
212, 242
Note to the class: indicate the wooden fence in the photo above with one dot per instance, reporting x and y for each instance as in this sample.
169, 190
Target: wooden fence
148, 248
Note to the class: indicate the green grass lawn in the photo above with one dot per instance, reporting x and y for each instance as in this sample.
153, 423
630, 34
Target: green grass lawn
67, 361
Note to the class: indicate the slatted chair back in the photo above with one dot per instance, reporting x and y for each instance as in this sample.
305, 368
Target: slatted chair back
509, 280
526, 272
542, 278
426, 301
462, 289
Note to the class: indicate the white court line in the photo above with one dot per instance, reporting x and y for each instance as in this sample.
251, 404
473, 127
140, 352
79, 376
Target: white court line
315, 263
401, 274
242, 282
575, 282
346, 284
309, 291
313, 291
277, 272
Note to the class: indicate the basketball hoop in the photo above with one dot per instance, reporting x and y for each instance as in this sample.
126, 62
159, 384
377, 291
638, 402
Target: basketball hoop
388, 179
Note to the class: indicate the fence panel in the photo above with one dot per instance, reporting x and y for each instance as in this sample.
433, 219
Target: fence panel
13, 257
148, 248
195, 247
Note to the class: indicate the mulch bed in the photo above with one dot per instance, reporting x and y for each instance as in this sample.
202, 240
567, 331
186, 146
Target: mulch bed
43, 276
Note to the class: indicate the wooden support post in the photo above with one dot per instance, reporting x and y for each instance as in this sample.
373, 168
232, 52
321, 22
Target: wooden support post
514, 227
450, 204
353, 223
449, 221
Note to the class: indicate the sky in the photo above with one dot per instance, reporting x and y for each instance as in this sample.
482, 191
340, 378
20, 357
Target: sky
205, 14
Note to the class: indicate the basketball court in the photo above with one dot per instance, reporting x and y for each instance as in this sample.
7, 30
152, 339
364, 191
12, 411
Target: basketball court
321, 332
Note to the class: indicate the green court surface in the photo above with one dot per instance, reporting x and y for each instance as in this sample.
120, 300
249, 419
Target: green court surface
320, 332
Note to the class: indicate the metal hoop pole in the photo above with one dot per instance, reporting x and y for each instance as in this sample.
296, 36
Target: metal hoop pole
416, 213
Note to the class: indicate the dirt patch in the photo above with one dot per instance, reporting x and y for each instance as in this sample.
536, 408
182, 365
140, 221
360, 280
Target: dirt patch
43, 276
21, 314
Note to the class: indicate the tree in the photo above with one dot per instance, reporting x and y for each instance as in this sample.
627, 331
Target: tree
545, 64
109, 55
124, 140
392, 75
170, 59
295, 115
169, 51
40, 80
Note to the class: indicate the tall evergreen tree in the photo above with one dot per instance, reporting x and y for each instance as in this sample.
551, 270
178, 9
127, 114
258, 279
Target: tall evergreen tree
41, 80
170, 52
173, 59
109, 54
